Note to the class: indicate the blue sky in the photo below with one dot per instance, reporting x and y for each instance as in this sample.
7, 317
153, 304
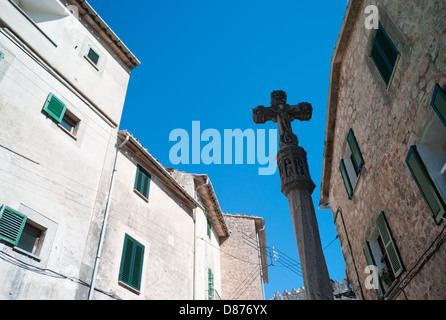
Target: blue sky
213, 61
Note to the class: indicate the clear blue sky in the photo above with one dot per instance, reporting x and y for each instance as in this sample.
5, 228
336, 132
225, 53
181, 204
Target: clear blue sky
213, 61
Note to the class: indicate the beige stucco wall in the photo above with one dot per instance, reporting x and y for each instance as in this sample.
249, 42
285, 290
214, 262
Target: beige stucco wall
240, 265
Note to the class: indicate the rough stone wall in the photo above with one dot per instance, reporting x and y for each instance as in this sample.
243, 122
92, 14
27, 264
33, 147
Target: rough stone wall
240, 261
386, 122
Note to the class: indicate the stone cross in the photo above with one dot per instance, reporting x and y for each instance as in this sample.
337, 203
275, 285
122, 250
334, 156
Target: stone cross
297, 186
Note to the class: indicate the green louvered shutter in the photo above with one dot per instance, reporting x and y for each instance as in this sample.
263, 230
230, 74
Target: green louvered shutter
425, 184
438, 102
55, 107
354, 148
371, 262
389, 245
384, 54
142, 181
347, 183
209, 228
11, 225
2, 55
132, 258
210, 284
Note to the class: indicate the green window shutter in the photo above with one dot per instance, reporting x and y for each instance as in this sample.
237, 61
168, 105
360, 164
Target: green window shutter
142, 181
371, 262
354, 148
389, 245
54, 107
347, 183
2, 55
425, 184
210, 284
384, 54
11, 225
209, 227
131, 263
438, 102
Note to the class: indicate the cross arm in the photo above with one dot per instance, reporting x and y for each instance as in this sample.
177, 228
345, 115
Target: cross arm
260, 114
301, 111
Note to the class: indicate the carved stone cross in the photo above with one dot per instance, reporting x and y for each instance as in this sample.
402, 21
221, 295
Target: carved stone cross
297, 186
283, 114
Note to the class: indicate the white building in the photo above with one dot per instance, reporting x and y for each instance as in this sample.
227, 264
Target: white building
86, 212
63, 80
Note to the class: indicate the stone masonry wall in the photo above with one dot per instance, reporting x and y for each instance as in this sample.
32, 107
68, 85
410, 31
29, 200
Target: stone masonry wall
240, 270
386, 122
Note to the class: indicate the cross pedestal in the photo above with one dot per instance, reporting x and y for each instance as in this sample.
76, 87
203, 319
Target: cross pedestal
297, 186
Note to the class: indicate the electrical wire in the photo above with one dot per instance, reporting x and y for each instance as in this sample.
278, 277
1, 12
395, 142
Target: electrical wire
49, 273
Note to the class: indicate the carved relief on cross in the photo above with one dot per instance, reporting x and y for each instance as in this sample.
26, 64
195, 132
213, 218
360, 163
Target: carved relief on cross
283, 114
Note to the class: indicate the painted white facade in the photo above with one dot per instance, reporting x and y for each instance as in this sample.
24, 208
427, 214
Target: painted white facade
46, 173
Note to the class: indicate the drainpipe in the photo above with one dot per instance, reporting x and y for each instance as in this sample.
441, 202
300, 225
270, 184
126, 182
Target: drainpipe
104, 223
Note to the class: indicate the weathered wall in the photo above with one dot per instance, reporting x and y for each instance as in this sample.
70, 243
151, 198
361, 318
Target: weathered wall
386, 122
52, 177
164, 225
240, 266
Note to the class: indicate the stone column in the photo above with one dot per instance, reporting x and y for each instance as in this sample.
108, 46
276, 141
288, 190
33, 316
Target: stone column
297, 186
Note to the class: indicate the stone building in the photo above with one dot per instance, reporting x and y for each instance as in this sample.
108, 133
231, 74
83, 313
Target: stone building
384, 168
63, 81
244, 264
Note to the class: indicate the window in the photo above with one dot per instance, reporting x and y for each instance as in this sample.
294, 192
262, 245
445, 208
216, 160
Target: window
2, 55
384, 54
438, 103
57, 110
142, 182
131, 263
425, 183
92, 56
351, 164
209, 227
18, 230
210, 284
380, 251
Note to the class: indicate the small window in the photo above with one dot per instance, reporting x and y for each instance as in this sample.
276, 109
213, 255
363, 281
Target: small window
142, 182
438, 103
70, 123
351, 163
384, 54
19, 231
93, 56
380, 251
2, 55
132, 258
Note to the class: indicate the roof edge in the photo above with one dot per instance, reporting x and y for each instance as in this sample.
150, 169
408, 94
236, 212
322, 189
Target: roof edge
106, 32
350, 18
